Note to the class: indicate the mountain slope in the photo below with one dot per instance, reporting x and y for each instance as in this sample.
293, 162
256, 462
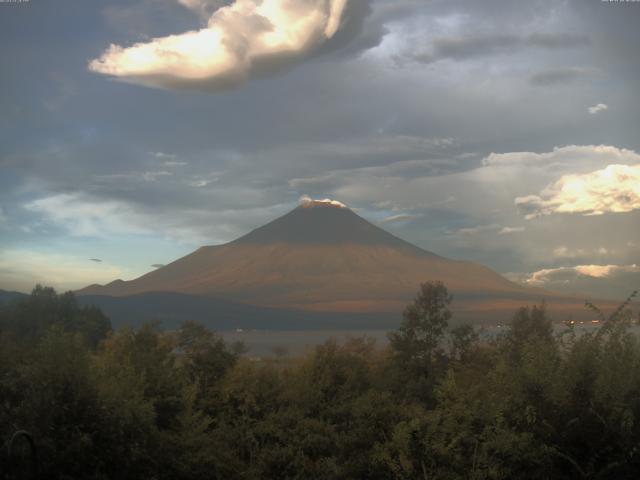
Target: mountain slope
7, 296
320, 257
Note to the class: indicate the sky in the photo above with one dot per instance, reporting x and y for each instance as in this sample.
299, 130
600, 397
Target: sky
502, 132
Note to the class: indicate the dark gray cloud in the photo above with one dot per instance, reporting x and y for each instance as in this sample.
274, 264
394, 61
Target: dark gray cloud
560, 75
204, 8
357, 34
461, 47
557, 40
478, 45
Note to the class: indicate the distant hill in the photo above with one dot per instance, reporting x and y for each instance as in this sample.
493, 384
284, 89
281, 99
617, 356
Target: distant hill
6, 296
171, 309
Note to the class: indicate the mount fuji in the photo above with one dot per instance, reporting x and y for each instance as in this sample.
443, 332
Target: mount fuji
323, 257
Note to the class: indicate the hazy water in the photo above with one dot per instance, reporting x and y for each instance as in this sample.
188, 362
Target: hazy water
263, 343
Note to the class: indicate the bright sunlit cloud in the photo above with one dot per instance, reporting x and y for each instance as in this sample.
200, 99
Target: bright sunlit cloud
547, 275
588, 280
614, 189
241, 40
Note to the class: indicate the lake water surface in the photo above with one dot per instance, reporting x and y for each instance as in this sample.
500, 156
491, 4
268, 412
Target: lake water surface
264, 343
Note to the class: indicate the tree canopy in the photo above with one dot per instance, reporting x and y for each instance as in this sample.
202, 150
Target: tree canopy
540, 401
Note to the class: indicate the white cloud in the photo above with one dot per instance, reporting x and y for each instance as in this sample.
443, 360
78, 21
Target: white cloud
200, 183
565, 156
614, 189
245, 39
490, 228
169, 159
485, 194
401, 217
600, 107
566, 252
477, 229
509, 230
163, 155
601, 271
307, 201
174, 163
86, 217
613, 281
154, 176
23, 268
567, 274
83, 215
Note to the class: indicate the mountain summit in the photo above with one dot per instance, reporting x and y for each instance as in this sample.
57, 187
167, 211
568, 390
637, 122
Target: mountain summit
324, 222
321, 256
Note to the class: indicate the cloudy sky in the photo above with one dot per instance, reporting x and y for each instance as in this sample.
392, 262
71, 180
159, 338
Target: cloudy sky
132, 132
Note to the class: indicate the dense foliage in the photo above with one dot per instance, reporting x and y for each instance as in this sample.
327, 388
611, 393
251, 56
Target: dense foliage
437, 403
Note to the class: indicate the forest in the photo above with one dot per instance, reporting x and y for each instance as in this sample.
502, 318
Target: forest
536, 402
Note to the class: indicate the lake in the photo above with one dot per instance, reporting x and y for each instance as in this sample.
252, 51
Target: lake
264, 343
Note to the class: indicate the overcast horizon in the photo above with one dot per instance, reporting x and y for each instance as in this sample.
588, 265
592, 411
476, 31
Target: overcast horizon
501, 132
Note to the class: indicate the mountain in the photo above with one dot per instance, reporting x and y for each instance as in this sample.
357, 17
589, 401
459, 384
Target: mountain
6, 296
323, 257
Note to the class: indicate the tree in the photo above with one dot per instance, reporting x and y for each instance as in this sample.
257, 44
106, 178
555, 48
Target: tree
416, 345
29, 319
463, 339
529, 327
206, 357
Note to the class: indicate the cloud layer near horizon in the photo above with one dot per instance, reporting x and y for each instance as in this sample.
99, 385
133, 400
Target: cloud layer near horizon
244, 39
613, 281
26, 267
